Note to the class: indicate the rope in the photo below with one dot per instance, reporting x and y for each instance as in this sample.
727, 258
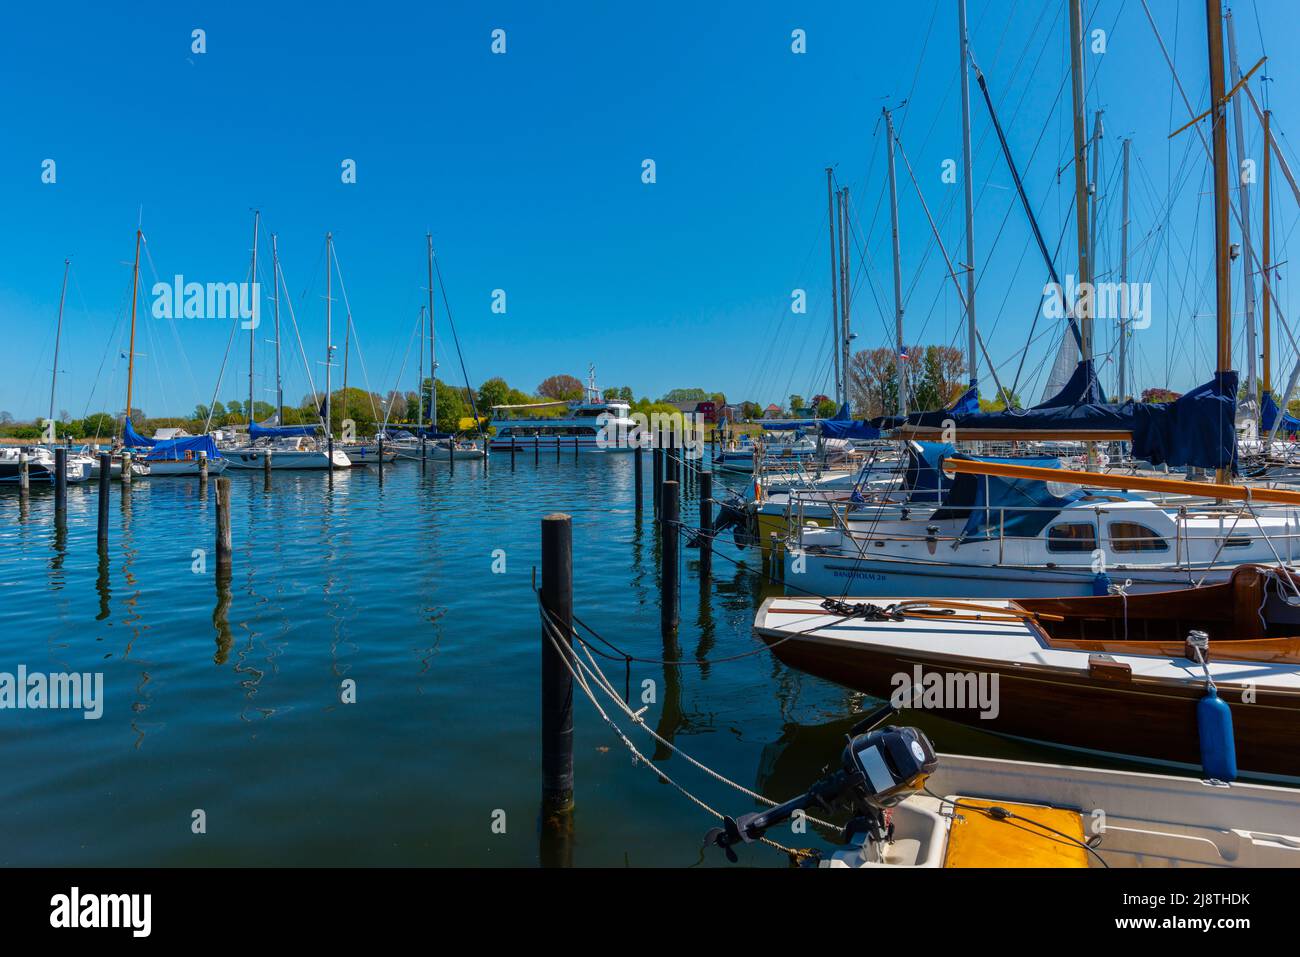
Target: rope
580, 674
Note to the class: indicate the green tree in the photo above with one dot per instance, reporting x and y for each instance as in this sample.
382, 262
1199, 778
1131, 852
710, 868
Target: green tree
685, 395
827, 408
98, 423
796, 403
494, 391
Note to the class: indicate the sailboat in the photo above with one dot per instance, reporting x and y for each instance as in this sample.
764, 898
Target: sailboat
288, 447
179, 455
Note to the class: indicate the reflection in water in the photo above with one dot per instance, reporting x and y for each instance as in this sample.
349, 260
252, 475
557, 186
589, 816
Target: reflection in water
221, 616
60, 546
102, 582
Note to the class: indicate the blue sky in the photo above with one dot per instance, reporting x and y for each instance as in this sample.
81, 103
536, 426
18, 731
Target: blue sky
526, 167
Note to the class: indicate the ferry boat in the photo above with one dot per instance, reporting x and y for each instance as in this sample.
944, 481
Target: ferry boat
595, 424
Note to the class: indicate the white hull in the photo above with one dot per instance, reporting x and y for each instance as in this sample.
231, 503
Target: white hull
865, 578
190, 467
250, 459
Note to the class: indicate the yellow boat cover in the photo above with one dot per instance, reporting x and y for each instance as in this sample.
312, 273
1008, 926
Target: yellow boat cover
977, 840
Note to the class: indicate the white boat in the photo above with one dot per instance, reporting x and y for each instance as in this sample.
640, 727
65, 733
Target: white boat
593, 424
1133, 819
40, 465
295, 453
997, 537
912, 807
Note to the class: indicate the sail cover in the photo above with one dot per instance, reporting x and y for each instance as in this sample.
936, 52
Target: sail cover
134, 440
186, 448
1290, 424
1196, 429
991, 504
924, 479
259, 431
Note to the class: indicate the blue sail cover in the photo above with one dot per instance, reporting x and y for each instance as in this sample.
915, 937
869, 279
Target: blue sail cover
1197, 429
258, 431
134, 440
924, 479
990, 503
968, 402
787, 425
177, 448
1268, 413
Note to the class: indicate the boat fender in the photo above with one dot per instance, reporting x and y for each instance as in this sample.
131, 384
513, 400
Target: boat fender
1101, 584
1213, 719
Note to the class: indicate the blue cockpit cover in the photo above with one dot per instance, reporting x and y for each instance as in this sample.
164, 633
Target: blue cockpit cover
989, 502
134, 440
259, 431
177, 448
924, 479
1268, 413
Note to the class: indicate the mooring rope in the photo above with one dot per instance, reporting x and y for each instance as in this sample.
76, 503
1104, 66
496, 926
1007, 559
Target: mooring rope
553, 631
580, 677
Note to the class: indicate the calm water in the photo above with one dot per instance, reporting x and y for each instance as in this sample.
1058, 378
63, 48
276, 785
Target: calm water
228, 699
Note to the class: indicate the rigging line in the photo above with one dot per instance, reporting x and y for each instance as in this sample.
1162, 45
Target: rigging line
293, 320
460, 356
365, 376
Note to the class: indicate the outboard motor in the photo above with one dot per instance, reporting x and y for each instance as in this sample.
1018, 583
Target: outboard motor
878, 770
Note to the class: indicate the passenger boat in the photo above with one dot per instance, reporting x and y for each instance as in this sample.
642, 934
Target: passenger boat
593, 424
1107, 674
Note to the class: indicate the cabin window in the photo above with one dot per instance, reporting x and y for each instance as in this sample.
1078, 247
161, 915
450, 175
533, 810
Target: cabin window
1236, 541
1132, 537
1072, 537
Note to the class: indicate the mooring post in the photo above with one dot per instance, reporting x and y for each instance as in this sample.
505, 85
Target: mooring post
105, 478
537, 450
557, 682
575, 450
24, 479
668, 525
224, 550
379, 445
706, 526
203, 467
126, 468
330, 452
451, 455
513, 451
656, 467
636, 473
60, 479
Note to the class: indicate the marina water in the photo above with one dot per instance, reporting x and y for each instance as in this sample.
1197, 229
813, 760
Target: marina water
229, 701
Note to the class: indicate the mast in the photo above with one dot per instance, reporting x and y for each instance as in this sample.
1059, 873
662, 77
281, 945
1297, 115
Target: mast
1081, 178
837, 323
1266, 328
1094, 189
1222, 279
329, 336
279, 385
1123, 283
419, 375
846, 300
433, 360
841, 380
130, 355
972, 358
58, 335
252, 331
898, 275
1243, 191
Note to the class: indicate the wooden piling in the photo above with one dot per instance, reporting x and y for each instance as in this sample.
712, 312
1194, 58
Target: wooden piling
636, 474
126, 469
557, 682
706, 526
537, 450
105, 481
669, 516
24, 477
656, 469
61, 479
379, 443
575, 450
203, 467
513, 451
451, 455
224, 550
